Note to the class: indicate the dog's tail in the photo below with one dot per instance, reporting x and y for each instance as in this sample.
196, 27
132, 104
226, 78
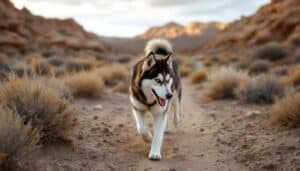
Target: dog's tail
158, 46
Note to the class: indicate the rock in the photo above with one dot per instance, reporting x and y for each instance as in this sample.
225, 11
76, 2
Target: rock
98, 107
253, 114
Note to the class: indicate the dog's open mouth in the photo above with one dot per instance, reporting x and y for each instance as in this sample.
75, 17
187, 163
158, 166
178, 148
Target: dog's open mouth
162, 102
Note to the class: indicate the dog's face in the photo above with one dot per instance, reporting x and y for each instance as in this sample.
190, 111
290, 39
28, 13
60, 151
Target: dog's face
158, 77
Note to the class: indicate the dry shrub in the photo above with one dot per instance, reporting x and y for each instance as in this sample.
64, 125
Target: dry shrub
260, 89
286, 112
185, 70
293, 78
55, 61
223, 82
113, 74
41, 67
16, 140
271, 51
207, 62
85, 84
120, 87
197, 77
281, 70
85, 63
40, 105
259, 67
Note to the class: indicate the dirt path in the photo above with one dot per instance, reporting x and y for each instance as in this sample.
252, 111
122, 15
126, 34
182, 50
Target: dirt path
213, 135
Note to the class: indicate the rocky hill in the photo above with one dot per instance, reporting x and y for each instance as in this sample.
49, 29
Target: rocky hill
20, 29
277, 21
174, 30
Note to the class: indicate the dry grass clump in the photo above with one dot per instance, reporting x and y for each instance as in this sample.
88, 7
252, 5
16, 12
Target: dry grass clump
185, 70
259, 67
223, 82
286, 112
197, 77
85, 84
260, 89
55, 61
39, 105
41, 67
16, 140
85, 63
113, 74
293, 78
120, 87
271, 51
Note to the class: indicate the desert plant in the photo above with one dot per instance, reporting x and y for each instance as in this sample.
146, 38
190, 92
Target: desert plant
197, 77
185, 70
85, 63
258, 67
40, 105
260, 89
113, 74
293, 77
223, 82
55, 61
120, 87
85, 84
271, 51
286, 112
41, 67
16, 140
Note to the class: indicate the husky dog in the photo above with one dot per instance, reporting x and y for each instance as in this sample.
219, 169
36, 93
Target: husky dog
155, 87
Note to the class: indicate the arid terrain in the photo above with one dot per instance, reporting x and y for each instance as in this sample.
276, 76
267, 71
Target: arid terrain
64, 101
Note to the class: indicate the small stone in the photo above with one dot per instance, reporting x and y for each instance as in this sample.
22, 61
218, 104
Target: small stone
95, 117
98, 107
253, 114
201, 130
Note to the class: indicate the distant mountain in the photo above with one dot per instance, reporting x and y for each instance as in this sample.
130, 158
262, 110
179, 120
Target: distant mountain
22, 30
174, 30
277, 21
183, 38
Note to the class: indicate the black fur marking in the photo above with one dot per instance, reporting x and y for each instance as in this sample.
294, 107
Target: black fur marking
161, 51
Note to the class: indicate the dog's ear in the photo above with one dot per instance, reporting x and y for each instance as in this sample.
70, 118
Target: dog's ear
150, 61
169, 60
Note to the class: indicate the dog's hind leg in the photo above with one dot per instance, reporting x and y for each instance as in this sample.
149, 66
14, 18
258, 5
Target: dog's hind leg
142, 125
160, 121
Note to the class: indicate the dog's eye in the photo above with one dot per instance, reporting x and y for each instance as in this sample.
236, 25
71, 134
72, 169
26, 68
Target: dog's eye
158, 81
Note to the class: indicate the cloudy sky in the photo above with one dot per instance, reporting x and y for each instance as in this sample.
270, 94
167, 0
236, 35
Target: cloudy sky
127, 18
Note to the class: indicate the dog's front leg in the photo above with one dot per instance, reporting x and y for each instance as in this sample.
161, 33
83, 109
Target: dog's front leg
142, 125
160, 122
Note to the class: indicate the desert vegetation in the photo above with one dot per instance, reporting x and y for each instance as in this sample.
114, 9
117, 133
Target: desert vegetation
286, 112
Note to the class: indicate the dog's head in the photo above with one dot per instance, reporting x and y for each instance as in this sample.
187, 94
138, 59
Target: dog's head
158, 77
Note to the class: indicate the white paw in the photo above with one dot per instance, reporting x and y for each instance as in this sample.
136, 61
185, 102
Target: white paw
154, 156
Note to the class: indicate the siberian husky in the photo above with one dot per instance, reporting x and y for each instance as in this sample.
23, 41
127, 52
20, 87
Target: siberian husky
155, 87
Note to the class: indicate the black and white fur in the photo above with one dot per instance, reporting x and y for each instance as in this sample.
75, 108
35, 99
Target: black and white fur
155, 87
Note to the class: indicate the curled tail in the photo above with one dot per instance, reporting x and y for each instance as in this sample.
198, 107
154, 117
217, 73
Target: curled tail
158, 46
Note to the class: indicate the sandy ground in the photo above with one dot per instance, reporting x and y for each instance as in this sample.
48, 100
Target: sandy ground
213, 135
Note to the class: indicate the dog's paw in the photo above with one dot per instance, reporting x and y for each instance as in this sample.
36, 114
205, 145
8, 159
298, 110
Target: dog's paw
154, 156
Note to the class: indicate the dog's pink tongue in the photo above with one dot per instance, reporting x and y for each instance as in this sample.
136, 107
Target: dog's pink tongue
162, 102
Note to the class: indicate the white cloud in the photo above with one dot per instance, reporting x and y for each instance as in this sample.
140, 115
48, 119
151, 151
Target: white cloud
131, 17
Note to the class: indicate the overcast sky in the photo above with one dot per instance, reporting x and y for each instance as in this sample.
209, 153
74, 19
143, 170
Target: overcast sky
131, 17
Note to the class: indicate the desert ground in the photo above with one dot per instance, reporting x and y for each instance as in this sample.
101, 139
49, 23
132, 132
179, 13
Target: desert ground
222, 135
64, 101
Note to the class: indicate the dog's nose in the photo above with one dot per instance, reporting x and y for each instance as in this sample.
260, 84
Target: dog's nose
169, 96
